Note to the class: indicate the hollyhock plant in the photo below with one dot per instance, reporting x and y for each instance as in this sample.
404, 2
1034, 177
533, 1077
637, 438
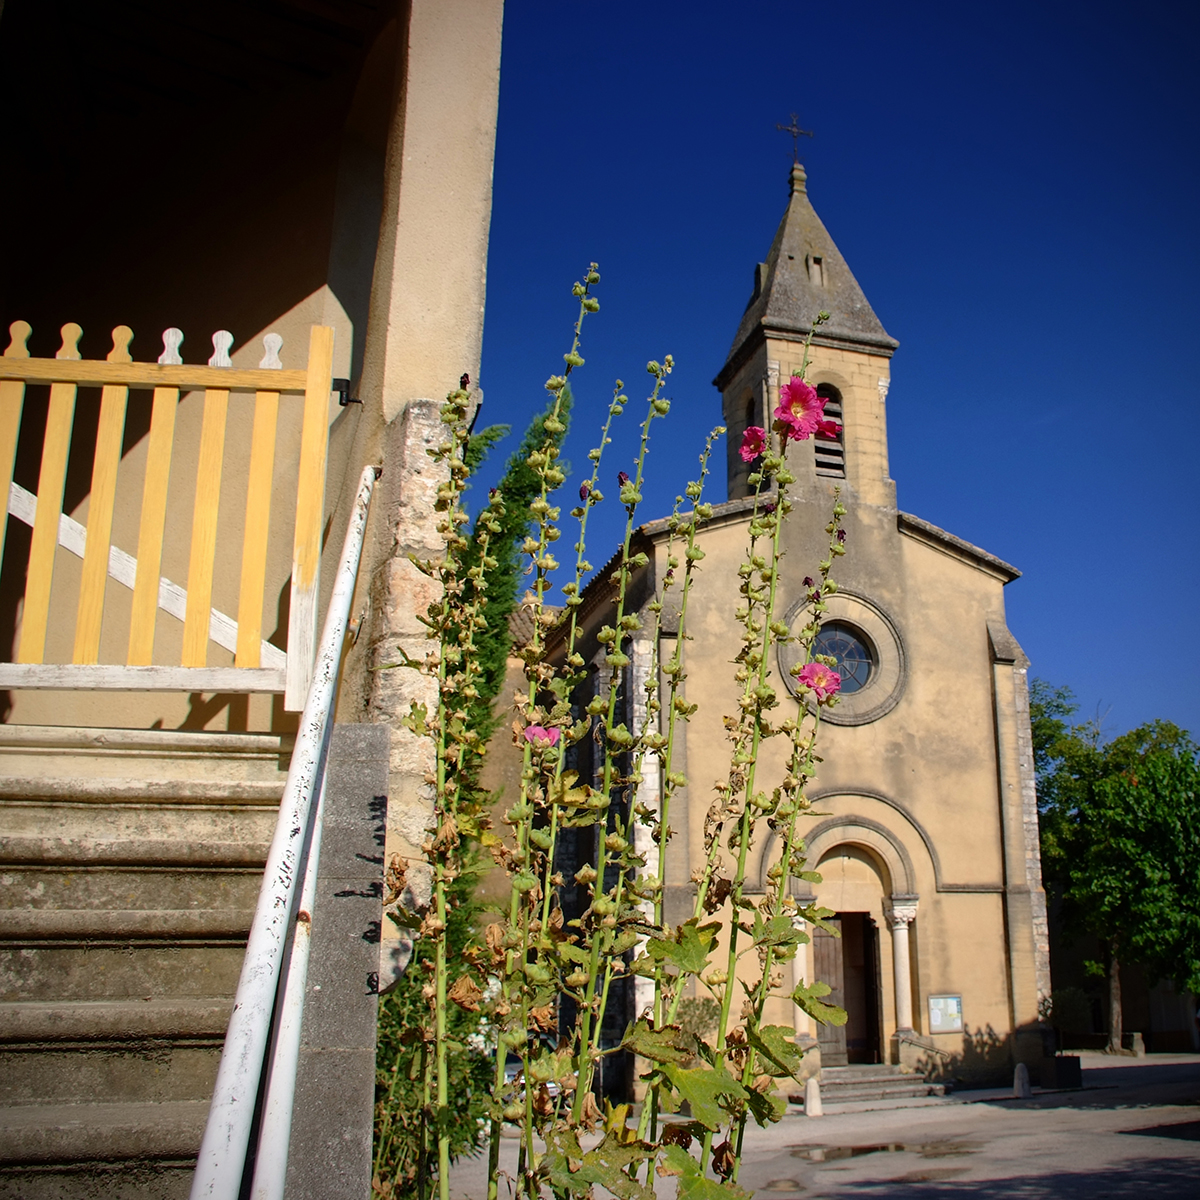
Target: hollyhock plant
822, 680
583, 665
754, 442
828, 430
800, 409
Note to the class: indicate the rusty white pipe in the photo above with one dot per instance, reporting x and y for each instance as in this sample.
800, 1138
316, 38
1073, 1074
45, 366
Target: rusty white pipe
221, 1164
274, 1137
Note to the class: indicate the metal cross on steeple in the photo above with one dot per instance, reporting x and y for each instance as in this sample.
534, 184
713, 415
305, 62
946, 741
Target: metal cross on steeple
797, 133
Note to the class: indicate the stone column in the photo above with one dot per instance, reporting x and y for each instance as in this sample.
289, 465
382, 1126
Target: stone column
802, 1023
648, 794
903, 913
424, 330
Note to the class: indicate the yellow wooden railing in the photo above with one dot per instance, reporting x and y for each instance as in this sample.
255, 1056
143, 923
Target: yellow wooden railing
258, 666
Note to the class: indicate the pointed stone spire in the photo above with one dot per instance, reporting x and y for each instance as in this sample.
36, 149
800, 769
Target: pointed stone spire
804, 274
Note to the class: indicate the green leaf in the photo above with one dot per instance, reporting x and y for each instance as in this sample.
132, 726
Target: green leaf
573, 953
608, 1165
690, 947
696, 1187
777, 931
677, 1161
669, 1045
703, 1088
776, 1044
767, 1107
806, 997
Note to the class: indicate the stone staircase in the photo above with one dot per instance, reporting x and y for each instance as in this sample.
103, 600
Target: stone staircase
867, 1086
130, 864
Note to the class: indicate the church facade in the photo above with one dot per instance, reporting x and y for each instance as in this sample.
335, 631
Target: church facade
926, 839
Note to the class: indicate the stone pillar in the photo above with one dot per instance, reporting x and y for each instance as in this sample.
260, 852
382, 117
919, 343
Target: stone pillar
649, 795
802, 1023
1026, 924
424, 330
903, 913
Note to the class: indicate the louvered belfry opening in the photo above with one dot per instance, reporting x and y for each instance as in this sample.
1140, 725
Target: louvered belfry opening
831, 455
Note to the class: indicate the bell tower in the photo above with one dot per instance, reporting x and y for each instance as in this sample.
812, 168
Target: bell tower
804, 274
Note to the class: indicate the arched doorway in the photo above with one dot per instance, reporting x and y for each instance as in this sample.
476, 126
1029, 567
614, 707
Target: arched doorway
848, 959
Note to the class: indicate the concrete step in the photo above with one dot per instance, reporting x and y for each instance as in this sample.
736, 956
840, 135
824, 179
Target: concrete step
78, 1132
34, 751
130, 865
863, 1086
107, 1051
154, 1072
119, 970
847, 1094
873, 1073
60, 1022
35, 887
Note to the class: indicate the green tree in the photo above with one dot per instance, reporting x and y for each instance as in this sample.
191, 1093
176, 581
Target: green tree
1120, 828
520, 486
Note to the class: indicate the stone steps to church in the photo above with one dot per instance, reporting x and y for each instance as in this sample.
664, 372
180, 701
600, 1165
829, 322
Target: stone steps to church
864, 1086
127, 888
835, 1108
889, 1091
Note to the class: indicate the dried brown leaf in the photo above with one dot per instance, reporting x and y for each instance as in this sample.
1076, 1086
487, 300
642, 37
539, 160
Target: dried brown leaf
466, 993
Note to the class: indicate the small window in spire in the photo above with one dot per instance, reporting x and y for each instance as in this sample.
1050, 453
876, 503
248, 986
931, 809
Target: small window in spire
816, 269
831, 454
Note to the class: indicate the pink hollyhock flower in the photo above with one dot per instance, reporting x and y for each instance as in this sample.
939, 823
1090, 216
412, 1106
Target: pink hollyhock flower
537, 735
822, 680
828, 430
754, 442
800, 409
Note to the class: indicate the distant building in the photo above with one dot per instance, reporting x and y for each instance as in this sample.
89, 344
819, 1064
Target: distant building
928, 838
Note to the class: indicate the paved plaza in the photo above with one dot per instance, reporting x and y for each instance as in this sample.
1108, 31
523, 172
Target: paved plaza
1133, 1132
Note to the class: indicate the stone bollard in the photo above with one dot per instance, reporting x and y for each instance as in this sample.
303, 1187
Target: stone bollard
1021, 1088
812, 1098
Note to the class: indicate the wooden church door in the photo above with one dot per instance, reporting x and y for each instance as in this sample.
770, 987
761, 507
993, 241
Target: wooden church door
827, 967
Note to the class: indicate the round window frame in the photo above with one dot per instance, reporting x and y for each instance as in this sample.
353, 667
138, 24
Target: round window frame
878, 632
872, 652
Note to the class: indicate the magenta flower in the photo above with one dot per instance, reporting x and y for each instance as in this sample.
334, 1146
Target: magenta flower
540, 737
585, 489
754, 442
823, 681
799, 410
622, 478
828, 430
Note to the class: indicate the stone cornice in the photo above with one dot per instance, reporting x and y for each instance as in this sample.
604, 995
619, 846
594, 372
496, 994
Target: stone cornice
956, 547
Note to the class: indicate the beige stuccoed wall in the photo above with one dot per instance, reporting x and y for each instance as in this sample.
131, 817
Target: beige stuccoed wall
428, 293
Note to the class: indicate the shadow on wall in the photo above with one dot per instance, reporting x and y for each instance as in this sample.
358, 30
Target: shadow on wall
984, 1058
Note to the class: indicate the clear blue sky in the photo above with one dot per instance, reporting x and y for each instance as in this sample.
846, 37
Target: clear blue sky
1016, 187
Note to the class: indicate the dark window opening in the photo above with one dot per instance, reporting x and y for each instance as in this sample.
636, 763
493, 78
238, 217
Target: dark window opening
831, 452
855, 661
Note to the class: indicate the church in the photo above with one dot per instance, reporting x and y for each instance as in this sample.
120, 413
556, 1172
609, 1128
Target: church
925, 828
